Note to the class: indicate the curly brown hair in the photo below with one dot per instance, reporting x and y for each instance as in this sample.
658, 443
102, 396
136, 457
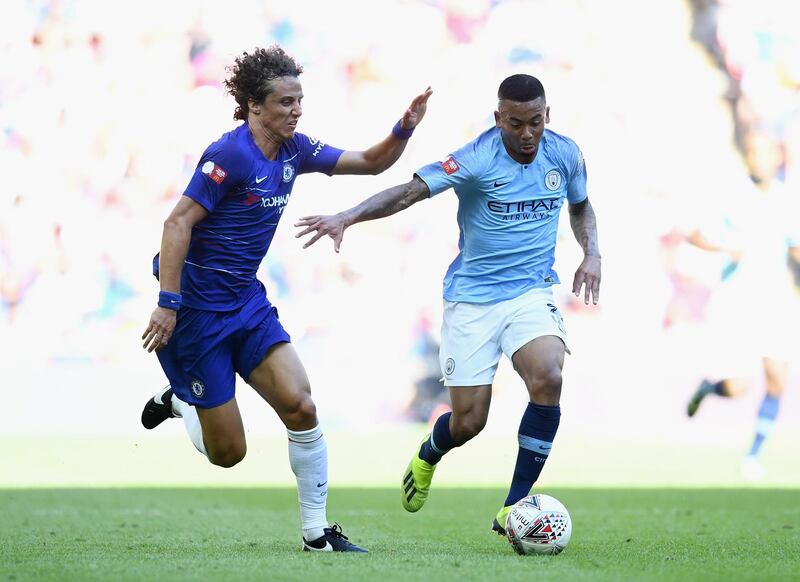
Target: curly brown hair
252, 75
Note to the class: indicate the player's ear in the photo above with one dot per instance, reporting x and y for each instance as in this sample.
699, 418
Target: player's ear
497, 119
547, 114
254, 107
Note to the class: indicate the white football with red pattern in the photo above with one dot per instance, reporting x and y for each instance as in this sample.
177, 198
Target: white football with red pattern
538, 524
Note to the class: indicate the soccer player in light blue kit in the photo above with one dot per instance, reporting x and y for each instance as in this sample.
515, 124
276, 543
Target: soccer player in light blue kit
511, 183
213, 318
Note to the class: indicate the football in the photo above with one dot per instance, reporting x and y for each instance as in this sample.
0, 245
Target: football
538, 524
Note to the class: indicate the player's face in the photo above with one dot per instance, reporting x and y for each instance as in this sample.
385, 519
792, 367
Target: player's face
522, 125
281, 109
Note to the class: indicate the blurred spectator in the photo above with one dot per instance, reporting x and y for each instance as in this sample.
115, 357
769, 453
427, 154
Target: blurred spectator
431, 399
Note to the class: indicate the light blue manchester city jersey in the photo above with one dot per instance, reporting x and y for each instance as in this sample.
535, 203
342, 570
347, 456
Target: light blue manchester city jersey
508, 214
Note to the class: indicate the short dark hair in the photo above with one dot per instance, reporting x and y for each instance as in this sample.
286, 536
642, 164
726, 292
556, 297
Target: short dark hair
251, 76
521, 88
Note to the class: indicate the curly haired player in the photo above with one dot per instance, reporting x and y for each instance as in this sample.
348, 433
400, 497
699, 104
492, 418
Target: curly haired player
214, 319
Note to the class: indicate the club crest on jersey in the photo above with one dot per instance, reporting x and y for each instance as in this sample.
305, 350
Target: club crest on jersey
288, 172
449, 366
214, 171
553, 180
197, 388
450, 166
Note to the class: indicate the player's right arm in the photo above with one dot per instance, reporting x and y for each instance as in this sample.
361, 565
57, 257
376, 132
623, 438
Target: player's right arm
174, 247
380, 205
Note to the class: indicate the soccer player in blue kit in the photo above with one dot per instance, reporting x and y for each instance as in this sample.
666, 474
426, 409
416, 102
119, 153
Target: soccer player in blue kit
511, 182
213, 318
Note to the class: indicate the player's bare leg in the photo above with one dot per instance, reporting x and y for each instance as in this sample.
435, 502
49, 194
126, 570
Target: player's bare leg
776, 374
470, 410
223, 433
281, 380
216, 432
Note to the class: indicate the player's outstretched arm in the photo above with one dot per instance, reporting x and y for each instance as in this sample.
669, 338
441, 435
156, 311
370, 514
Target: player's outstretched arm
174, 246
701, 240
382, 155
382, 204
584, 226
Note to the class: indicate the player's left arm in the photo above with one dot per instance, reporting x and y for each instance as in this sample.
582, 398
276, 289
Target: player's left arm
382, 155
584, 226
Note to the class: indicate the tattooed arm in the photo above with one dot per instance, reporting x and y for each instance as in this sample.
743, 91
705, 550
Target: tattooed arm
584, 226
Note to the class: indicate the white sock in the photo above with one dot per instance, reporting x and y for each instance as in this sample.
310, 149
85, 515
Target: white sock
308, 457
191, 421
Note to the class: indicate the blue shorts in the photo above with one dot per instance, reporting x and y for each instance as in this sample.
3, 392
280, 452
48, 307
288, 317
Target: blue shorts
208, 348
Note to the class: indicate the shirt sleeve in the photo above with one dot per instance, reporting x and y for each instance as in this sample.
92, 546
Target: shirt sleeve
458, 168
217, 174
576, 187
316, 155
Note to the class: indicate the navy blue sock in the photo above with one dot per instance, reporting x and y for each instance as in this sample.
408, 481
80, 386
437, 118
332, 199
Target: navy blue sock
767, 414
439, 442
536, 433
717, 388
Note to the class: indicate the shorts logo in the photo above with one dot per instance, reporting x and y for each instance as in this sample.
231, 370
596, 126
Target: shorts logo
288, 172
553, 180
558, 319
449, 366
198, 389
450, 166
214, 172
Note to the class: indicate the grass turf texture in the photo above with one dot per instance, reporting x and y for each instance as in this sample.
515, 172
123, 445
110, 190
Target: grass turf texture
253, 533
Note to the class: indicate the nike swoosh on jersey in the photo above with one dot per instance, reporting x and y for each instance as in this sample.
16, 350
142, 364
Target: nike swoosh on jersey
321, 484
261, 179
498, 184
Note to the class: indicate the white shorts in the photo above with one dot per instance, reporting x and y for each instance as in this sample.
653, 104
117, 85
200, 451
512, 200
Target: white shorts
475, 335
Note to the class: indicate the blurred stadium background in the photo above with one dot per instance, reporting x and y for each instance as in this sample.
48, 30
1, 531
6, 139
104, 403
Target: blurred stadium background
106, 107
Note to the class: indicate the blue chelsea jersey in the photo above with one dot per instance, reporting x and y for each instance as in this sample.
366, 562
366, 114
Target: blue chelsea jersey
245, 195
508, 214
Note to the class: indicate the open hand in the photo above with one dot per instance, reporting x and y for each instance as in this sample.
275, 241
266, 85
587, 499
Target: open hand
588, 274
416, 111
160, 328
332, 225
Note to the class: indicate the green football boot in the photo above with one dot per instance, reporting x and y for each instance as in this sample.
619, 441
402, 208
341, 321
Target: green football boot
499, 521
416, 483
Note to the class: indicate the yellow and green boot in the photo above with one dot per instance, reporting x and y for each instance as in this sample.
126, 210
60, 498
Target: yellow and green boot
416, 482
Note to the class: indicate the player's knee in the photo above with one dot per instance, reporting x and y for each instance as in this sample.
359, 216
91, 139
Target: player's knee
467, 427
546, 389
302, 413
228, 455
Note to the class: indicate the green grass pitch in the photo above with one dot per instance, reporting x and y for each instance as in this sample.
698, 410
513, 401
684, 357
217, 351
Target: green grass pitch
253, 534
